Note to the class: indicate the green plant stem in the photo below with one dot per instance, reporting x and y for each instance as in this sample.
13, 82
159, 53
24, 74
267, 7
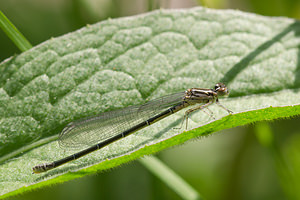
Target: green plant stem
170, 178
13, 33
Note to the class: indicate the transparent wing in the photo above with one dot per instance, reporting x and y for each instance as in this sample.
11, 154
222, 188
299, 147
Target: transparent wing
92, 130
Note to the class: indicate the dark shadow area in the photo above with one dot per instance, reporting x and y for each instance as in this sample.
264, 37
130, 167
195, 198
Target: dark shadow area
240, 66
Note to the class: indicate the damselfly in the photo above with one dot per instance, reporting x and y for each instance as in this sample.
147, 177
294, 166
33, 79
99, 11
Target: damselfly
106, 128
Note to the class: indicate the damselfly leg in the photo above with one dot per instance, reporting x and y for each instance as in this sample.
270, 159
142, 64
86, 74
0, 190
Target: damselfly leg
219, 104
189, 111
201, 107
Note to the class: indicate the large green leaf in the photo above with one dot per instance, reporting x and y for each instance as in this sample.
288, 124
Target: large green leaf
121, 62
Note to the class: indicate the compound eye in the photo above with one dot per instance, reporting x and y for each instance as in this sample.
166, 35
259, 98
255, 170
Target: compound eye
217, 87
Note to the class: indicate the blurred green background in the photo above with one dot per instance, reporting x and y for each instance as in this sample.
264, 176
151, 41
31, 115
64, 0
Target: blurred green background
259, 161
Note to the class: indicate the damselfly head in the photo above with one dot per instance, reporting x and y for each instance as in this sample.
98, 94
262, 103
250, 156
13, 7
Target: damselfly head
221, 89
